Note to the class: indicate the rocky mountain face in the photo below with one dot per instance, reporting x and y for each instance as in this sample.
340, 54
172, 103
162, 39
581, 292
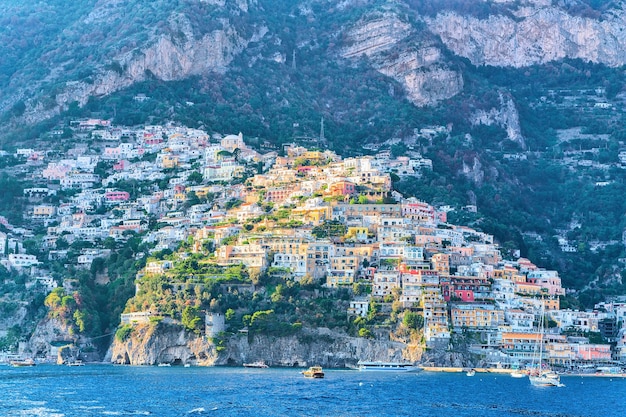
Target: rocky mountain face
171, 51
169, 343
108, 45
418, 66
505, 116
536, 32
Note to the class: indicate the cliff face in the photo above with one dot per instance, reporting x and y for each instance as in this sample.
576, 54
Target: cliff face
535, 34
111, 45
53, 337
311, 347
166, 58
169, 343
150, 344
506, 116
418, 66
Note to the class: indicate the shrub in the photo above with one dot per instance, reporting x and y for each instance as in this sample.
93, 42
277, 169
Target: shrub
123, 332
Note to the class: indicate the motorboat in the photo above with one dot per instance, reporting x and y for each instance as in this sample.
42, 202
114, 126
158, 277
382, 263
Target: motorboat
314, 372
18, 363
258, 364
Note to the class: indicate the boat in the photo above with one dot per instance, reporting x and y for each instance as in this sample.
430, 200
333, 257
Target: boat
77, 362
165, 364
18, 363
471, 372
541, 375
314, 372
258, 364
517, 372
386, 366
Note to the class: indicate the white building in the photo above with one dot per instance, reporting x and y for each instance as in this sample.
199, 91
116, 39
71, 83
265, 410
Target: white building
19, 261
359, 306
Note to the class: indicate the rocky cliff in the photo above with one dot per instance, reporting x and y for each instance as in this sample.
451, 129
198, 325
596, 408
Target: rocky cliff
151, 344
169, 343
418, 65
112, 45
534, 33
56, 340
505, 116
166, 58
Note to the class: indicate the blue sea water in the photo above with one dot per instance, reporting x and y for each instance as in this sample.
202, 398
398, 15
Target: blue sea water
105, 390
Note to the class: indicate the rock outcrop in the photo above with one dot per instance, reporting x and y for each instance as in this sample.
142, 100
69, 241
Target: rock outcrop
320, 346
534, 34
418, 66
176, 54
473, 171
151, 344
506, 116
48, 333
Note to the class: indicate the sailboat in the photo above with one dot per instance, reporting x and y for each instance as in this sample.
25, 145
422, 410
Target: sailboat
541, 376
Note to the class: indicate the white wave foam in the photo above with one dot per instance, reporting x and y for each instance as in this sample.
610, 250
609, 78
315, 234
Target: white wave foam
41, 412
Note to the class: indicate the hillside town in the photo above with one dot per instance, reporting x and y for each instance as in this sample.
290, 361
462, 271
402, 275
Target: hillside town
309, 214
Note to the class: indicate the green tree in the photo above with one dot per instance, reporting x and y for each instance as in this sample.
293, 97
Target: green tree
191, 319
413, 320
195, 177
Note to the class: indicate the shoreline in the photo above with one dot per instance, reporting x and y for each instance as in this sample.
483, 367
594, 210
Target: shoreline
453, 369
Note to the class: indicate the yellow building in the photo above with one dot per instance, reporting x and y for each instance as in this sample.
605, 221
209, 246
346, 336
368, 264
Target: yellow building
476, 316
527, 288
314, 156
344, 263
312, 215
357, 233
169, 161
43, 211
509, 273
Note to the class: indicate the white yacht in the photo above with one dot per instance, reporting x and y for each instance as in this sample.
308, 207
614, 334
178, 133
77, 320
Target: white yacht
386, 366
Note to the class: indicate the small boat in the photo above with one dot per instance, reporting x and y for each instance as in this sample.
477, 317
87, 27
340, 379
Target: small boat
314, 372
23, 362
258, 364
517, 372
187, 365
471, 372
77, 362
386, 366
165, 364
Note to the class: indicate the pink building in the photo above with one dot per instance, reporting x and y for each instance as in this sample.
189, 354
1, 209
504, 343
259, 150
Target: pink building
116, 196
592, 352
342, 188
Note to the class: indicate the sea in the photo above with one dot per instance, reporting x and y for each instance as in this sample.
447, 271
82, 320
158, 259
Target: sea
108, 390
